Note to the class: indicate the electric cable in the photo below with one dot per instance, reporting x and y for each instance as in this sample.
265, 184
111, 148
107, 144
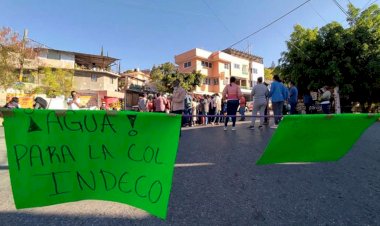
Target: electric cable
266, 26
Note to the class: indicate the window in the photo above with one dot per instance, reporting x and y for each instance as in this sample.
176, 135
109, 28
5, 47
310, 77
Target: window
226, 66
187, 64
215, 81
237, 66
206, 64
111, 80
245, 69
94, 78
206, 81
52, 54
254, 70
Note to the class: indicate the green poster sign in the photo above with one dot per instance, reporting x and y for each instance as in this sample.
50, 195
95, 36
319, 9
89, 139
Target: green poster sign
125, 157
315, 138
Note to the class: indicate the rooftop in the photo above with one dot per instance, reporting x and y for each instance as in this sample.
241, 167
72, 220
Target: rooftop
245, 55
84, 58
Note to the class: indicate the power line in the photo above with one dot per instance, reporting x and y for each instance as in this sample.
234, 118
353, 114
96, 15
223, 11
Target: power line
372, 3
262, 28
290, 43
365, 5
340, 7
318, 13
39, 43
217, 17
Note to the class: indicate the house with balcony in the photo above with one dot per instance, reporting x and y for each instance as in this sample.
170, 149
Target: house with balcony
256, 63
93, 78
218, 67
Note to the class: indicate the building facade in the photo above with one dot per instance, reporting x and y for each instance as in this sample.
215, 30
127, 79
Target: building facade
219, 66
93, 78
134, 83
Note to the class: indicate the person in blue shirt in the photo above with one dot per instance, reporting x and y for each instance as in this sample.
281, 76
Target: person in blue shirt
293, 97
279, 94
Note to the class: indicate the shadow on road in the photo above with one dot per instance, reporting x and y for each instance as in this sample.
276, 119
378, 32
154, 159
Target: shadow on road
20, 218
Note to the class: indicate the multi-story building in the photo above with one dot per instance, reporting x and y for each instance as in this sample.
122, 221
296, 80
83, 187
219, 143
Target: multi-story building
134, 83
219, 66
93, 78
256, 63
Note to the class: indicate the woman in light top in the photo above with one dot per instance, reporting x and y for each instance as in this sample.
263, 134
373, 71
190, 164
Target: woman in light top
232, 94
325, 100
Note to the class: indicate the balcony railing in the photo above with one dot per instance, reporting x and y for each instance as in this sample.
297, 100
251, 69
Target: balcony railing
96, 69
136, 87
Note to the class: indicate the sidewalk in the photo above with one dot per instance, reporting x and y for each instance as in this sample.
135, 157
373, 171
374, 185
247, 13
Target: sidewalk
3, 149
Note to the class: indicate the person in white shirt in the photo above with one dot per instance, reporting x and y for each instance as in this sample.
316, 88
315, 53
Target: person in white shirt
74, 101
218, 108
325, 99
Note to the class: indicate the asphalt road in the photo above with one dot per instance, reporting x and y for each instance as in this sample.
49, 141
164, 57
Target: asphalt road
216, 182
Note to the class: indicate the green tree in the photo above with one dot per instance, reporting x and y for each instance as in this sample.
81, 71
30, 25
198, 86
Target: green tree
165, 74
268, 74
337, 56
15, 53
8, 62
55, 82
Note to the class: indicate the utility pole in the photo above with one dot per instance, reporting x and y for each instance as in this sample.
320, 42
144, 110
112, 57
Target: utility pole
249, 47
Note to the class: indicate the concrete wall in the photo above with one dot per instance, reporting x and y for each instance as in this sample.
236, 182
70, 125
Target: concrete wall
260, 71
67, 60
82, 81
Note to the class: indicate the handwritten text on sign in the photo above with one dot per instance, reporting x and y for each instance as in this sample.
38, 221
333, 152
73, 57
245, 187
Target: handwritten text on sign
126, 157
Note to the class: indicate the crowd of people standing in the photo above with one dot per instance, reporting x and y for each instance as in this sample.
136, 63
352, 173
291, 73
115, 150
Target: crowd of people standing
212, 109
196, 109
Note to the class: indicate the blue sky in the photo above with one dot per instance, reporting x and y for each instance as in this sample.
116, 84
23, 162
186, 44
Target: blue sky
146, 32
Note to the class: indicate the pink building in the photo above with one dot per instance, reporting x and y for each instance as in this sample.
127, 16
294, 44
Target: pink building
219, 66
